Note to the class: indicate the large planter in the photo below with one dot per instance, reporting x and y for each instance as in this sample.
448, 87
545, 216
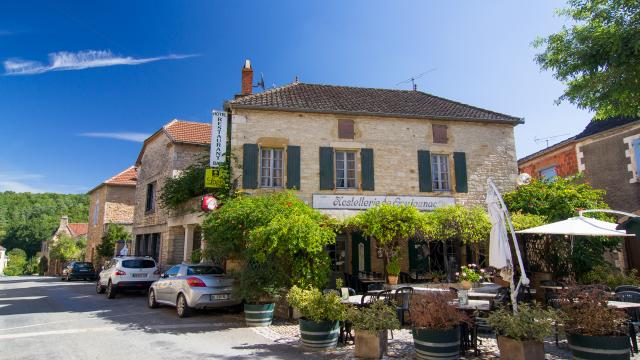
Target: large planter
599, 347
392, 279
437, 344
319, 335
511, 349
258, 314
370, 344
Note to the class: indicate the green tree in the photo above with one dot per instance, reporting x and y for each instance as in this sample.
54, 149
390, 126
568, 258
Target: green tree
389, 225
32, 266
113, 233
17, 262
597, 56
523, 221
65, 248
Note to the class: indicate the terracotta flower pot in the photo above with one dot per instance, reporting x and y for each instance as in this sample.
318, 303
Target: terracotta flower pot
370, 345
392, 279
466, 284
511, 349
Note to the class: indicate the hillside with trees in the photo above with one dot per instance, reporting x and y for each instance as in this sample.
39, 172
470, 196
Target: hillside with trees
26, 219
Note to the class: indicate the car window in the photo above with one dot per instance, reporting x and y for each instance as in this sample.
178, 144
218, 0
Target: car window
173, 271
138, 264
83, 266
204, 270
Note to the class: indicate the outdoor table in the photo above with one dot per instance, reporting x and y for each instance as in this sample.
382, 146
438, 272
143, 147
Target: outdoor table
353, 300
551, 287
482, 305
480, 295
622, 305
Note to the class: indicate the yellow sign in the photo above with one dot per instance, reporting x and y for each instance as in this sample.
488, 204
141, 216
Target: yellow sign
212, 178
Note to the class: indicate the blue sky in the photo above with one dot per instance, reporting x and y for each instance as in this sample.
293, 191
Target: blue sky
84, 82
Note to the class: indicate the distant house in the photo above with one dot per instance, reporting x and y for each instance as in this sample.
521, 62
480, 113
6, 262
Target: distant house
607, 152
3, 259
169, 238
111, 202
75, 230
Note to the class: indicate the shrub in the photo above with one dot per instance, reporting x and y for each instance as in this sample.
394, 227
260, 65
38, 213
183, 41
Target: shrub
610, 276
107, 246
16, 263
32, 267
469, 273
257, 283
375, 318
316, 306
65, 248
393, 268
587, 313
529, 323
436, 312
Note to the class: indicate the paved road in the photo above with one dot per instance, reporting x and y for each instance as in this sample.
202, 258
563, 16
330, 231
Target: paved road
44, 318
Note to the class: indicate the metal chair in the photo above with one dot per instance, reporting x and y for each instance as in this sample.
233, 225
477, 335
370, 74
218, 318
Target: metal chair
404, 278
352, 291
402, 297
502, 298
384, 295
368, 298
553, 301
622, 288
375, 286
634, 314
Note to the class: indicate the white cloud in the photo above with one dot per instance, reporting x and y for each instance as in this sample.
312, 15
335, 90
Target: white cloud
17, 186
80, 60
5, 33
128, 136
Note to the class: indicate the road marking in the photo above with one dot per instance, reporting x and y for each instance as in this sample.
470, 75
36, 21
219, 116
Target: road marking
23, 298
56, 332
66, 321
81, 297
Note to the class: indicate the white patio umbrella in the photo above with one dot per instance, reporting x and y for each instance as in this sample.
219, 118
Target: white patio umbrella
578, 225
499, 247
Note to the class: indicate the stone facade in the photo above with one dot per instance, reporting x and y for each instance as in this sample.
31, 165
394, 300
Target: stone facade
74, 230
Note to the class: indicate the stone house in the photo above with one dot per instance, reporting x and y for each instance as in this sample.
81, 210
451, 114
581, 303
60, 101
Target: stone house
168, 237
607, 153
111, 202
74, 230
3, 259
343, 149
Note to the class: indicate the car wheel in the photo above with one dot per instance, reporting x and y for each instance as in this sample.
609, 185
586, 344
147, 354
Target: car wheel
151, 299
111, 291
182, 308
99, 288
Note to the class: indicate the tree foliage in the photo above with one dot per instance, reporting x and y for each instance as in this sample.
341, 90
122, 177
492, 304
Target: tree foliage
113, 233
28, 219
598, 56
66, 248
17, 262
523, 221
457, 222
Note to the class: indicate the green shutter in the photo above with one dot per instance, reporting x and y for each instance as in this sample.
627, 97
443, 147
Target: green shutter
424, 171
293, 167
460, 168
366, 159
250, 166
326, 168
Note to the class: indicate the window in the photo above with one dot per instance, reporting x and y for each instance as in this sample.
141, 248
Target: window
439, 133
548, 173
346, 129
270, 168
96, 210
172, 271
636, 154
138, 264
204, 270
440, 172
345, 169
150, 204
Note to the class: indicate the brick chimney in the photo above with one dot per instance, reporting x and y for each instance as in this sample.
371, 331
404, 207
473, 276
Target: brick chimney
64, 221
247, 78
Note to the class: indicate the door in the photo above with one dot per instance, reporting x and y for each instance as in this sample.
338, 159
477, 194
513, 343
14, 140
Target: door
418, 256
164, 285
360, 253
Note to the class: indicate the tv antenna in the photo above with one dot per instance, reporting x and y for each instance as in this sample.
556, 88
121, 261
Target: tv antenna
260, 83
546, 139
413, 79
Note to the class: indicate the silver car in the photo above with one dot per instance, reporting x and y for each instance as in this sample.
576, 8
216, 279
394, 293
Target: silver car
193, 286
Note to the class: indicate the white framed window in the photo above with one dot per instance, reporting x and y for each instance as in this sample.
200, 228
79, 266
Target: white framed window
345, 169
548, 173
271, 167
440, 172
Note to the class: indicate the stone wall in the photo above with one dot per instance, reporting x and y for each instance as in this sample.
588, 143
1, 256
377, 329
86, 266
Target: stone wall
489, 148
95, 229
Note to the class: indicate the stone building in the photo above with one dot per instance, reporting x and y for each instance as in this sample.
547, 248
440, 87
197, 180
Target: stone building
343, 149
556, 160
74, 230
167, 236
3, 259
111, 202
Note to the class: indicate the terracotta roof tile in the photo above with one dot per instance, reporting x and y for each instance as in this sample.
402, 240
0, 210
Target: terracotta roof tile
345, 99
78, 229
127, 177
189, 132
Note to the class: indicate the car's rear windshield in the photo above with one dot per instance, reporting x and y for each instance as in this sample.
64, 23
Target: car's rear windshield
83, 265
138, 264
204, 270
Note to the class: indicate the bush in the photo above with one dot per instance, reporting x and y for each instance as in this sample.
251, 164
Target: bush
586, 313
65, 248
393, 268
32, 267
610, 276
434, 311
17, 262
316, 306
114, 232
375, 318
257, 284
529, 323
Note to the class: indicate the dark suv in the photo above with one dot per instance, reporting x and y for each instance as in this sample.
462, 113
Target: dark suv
79, 270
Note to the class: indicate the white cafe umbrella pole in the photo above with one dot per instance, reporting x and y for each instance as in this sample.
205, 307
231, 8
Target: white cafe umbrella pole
499, 247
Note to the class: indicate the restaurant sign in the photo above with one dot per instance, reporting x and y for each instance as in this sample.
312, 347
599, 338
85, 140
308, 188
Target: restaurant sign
218, 138
361, 202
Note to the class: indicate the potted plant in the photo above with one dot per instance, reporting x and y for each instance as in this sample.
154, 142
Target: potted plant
257, 287
594, 329
436, 325
437, 276
371, 324
468, 275
321, 313
393, 270
520, 334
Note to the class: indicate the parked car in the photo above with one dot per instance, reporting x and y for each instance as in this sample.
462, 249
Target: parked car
193, 286
127, 273
79, 270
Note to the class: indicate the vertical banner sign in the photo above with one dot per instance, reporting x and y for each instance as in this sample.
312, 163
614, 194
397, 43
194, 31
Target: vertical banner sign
218, 138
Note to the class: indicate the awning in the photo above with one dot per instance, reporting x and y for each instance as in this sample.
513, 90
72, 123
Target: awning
578, 226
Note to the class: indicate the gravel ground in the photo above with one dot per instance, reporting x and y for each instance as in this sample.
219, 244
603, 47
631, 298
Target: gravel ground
401, 346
